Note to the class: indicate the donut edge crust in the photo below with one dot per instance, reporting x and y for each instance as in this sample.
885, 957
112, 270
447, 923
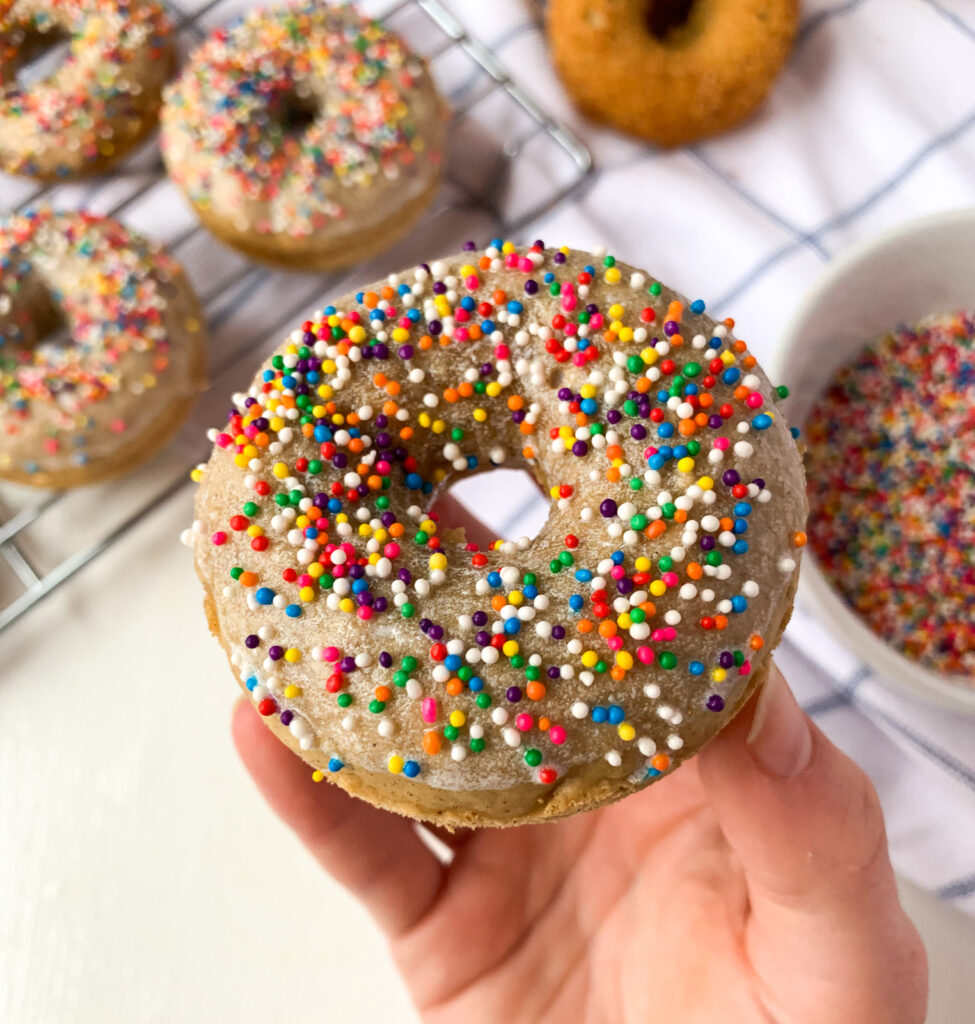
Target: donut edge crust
577, 790
303, 254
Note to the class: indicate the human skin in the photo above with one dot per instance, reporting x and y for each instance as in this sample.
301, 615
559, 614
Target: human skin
752, 885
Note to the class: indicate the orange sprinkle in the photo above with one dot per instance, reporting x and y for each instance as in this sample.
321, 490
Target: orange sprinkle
515, 402
498, 602
799, 539
431, 742
694, 571
381, 693
248, 579
379, 379
454, 687
756, 643
406, 433
618, 673
607, 628
396, 530
661, 762
584, 625
466, 389
655, 529
535, 690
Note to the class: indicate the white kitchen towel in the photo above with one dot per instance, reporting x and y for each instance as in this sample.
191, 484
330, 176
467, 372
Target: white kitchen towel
872, 123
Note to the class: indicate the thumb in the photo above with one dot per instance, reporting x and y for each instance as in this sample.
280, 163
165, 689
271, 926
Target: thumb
806, 825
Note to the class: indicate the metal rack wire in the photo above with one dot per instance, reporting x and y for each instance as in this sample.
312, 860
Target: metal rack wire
500, 137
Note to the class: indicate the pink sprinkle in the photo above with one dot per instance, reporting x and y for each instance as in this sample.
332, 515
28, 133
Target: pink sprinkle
557, 735
382, 467
524, 722
117, 426
670, 578
391, 550
526, 265
511, 260
461, 334
331, 654
617, 572
219, 538
614, 643
429, 709
578, 358
501, 352
745, 669
569, 303
596, 321
461, 315
722, 443
224, 440
645, 655
754, 400
364, 612
472, 282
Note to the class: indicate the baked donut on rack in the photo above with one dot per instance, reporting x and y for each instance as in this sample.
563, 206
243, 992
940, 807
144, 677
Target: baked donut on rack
101, 348
671, 71
305, 135
539, 677
100, 102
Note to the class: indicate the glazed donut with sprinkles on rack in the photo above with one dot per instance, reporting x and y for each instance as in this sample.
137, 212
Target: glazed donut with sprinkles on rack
541, 676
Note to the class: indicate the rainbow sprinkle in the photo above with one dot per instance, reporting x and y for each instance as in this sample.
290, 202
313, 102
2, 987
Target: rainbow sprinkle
891, 481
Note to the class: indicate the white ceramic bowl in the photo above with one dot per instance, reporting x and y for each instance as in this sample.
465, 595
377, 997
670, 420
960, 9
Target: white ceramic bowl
922, 267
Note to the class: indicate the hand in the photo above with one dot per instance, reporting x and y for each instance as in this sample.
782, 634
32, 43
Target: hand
753, 885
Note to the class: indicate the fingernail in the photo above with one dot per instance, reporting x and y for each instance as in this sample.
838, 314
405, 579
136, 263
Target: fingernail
780, 741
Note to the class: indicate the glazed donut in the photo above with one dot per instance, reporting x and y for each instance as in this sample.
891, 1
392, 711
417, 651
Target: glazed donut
101, 348
540, 677
670, 71
104, 98
306, 135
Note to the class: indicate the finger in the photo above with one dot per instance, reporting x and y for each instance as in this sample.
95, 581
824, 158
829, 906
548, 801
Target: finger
453, 514
376, 855
807, 827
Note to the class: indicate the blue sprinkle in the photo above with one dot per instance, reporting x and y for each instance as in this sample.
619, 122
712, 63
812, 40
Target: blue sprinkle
665, 430
738, 603
322, 433
452, 662
414, 481
588, 406
475, 684
743, 509
576, 602
616, 714
794, 431
697, 306
494, 578
515, 307
411, 769
762, 421
264, 595
467, 303
531, 592
599, 715
583, 575
512, 625
740, 547
488, 326
696, 668
335, 765
334, 505
617, 557
293, 611
472, 462
251, 682
740, 526
359, 585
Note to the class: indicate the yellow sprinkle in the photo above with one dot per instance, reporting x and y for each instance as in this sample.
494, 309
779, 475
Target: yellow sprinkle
457, 719
280, 470
438, 561
307, 593
685, 465
315, 570
589, 658
347, 605
480, 415
429, 527
254, 530
718, 675
588, 391
626, 731
439, 426
624, 659
196, 475
317, 776
649, 356
510, 648
424, 419
292, 691
293, 655
727, 358
395, 764
516, 597
658, 588
624, 622
612, 275
616, 311
493, 389
705, 483
642, 564
400, 334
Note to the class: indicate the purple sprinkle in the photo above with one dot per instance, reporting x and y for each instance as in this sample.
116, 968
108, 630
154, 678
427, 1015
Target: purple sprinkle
730, 477
347, 664
252, 641
385, 659
558, 632
553, 672
580, 448
275, 653
531, 287
479, 618
715, 702
607, 508
286, 717
513, 694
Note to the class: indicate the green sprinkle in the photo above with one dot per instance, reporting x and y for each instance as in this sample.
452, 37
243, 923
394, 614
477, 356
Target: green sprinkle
407, 611
483, 700
344, 700
377, 706
477, 745
251, 508
236, 572
655, 288
451, 732
667, 660
533, 757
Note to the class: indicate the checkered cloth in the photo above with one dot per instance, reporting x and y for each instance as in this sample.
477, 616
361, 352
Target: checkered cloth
870, 124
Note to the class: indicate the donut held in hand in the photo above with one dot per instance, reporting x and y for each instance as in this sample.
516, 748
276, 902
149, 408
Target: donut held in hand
543, 676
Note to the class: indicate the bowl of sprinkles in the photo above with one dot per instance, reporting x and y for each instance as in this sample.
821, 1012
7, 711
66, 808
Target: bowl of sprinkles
881, 356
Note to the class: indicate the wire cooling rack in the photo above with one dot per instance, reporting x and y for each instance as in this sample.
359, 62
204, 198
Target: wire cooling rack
509, 163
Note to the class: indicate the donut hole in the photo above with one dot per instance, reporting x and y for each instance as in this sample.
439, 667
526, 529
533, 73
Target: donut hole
666, 19
507, 501
293, 114
40, 55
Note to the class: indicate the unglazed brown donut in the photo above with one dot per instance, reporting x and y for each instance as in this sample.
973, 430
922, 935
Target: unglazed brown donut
94, 399
541, 677
305, 135
671, 71
100, 103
